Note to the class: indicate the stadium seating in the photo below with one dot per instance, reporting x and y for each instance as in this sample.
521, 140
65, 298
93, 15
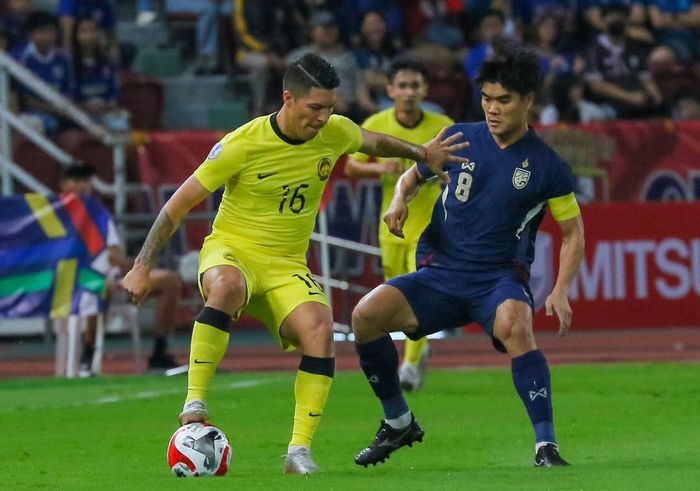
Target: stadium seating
144, 98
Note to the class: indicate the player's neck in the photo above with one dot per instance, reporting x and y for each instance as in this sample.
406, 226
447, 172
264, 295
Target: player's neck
507, 139
409, 119
285, 125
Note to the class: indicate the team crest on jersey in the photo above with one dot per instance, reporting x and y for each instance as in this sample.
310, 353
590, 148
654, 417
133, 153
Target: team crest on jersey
324, 168
520, 178
215, 151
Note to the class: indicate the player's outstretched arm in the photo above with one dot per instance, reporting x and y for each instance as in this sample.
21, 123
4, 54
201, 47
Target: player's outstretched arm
434, 153
406, 189
189, 194
570, 257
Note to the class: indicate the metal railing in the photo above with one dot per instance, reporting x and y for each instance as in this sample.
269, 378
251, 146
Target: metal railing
10, 170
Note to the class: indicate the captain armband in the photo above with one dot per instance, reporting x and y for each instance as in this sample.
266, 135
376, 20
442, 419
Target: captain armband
564, 207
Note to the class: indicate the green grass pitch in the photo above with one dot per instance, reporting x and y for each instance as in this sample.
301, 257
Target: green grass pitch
622, 427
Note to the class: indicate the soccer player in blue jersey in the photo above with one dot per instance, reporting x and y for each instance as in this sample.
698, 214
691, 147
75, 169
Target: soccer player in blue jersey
474, 257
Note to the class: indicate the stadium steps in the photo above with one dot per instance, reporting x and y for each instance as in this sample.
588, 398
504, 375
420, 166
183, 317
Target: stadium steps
202, 102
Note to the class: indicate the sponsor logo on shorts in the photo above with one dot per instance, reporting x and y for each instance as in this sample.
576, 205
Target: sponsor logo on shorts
230, 257
199, 362
315, 415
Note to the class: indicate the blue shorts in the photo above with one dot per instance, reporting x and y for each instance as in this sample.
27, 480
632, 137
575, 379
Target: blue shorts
442, 298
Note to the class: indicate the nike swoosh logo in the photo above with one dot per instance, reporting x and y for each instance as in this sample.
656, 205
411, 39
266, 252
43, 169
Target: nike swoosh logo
314, 293
199, 362
265, 176
392, 443
315, 415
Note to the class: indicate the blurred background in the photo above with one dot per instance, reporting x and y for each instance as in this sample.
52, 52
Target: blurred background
134, 93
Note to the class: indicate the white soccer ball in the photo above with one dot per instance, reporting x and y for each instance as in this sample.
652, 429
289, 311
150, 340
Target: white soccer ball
199, 449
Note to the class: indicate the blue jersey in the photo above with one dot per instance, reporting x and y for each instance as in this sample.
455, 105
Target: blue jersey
96, 79
100, 11
53, 68
488, 215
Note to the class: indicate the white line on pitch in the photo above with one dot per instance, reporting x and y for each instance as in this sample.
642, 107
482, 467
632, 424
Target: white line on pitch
153, 394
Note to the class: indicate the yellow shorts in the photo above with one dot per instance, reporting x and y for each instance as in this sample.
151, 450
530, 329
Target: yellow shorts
275, 285
398, 259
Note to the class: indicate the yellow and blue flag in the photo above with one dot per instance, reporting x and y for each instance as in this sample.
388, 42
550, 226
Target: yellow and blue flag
53, 255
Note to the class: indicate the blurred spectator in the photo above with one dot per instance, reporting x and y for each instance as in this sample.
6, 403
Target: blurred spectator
617, 71
165, 284
491, 38
266, 33
686, 105
592, 13
94, 77
353, 13
435, 21
69, 11
46, 60
570, 105
14, 24
675, 23
545, 45
374, 54
353, 97
529, 11
208, 36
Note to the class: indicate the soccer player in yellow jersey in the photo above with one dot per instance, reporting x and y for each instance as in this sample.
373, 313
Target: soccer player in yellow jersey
408, 86
274, 170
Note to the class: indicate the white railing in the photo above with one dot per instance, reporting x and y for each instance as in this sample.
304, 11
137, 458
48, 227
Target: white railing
10, 170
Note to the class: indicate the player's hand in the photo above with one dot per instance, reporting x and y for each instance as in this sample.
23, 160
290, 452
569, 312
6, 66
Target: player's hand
137, 283
557, 303
395, 217
439, 151
392, 167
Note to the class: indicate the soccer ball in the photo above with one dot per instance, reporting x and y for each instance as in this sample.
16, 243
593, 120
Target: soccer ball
199, 449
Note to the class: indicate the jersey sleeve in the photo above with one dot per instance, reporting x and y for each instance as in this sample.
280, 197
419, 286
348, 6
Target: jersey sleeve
349, 135
560, 191
224, 161
371, 126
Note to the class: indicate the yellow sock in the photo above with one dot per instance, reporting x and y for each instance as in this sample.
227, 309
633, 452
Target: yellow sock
413, 351
310, 392
208, 346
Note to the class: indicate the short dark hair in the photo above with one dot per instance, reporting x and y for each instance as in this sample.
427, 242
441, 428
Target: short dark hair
39, 20
79, 172
309, 71
515, 69
408, 65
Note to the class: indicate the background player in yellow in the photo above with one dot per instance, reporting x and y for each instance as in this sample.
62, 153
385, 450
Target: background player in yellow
408, 87
274, 169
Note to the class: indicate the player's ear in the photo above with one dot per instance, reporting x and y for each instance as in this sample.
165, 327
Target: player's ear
287, 97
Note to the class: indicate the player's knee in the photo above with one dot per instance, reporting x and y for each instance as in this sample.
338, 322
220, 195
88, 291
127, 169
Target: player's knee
364, 318
229, 289
322, 331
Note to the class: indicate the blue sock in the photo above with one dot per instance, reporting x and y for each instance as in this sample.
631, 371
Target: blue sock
531, 380
380, 362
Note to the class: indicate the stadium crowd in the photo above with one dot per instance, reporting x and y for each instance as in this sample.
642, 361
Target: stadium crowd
602, 59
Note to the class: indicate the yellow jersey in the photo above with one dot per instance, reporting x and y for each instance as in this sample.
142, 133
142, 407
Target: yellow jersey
420, 208
274, 185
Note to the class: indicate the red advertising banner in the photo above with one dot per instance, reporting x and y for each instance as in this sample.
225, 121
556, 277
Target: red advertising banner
642, 267
651, 160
